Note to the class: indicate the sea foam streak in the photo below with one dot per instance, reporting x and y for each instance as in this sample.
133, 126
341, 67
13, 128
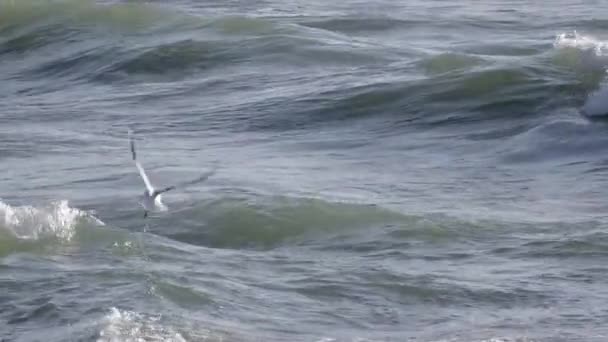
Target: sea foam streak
57, 220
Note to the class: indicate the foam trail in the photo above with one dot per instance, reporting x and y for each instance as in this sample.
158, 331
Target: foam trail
57, 220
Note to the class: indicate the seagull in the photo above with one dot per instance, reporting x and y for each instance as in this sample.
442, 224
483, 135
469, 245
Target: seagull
151, 200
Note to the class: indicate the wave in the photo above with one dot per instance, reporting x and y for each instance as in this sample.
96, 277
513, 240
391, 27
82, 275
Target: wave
365, 24
127, 325
259, 223
124, 325
176, 58
78, 42
276, 222
446, 98
270, 222
449, 62
78, 39
32, 14
578, 41
596, 104
585, 55
23, 227
588, 245
589, 56
460, 87
107, 43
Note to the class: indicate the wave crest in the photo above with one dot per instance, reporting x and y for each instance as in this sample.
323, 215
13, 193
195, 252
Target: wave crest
578, 41
132, 326
57, 220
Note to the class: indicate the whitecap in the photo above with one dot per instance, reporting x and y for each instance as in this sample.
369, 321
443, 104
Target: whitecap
129, 326
581, 42
597, 103
57, 220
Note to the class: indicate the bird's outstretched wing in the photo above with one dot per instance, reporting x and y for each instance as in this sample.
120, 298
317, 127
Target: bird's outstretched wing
200, 179
142, 172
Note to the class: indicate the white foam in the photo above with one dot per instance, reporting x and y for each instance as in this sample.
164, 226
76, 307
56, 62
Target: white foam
597, 58
57, 220
129, 326
597, 103
494, 339
578, 41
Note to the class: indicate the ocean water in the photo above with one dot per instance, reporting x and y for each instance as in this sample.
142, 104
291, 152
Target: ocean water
386, 170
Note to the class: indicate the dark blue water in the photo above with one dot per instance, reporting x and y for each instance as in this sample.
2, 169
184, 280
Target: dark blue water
386, 171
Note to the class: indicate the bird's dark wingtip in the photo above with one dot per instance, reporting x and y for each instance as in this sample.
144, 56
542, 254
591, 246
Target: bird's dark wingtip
132, 144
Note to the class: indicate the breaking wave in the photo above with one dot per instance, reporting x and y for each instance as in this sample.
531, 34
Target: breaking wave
131, 326
589, 55
55, 221
576, 40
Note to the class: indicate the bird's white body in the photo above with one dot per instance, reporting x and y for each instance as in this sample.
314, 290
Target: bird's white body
152, 203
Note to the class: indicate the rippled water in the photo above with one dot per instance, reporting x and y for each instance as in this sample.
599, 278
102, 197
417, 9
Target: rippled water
386, 171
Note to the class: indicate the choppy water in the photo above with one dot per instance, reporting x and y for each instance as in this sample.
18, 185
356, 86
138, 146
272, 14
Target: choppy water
387, 171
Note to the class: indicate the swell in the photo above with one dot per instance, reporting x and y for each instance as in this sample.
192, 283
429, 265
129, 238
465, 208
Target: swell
72, 43
452, 88
406, 289
459, 88
583, 246
450, 98
263, 223
365, 24
27, 15
386, 24
82, 40
89, 42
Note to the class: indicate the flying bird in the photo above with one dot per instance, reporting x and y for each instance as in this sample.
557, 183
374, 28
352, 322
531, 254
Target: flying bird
151, 200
